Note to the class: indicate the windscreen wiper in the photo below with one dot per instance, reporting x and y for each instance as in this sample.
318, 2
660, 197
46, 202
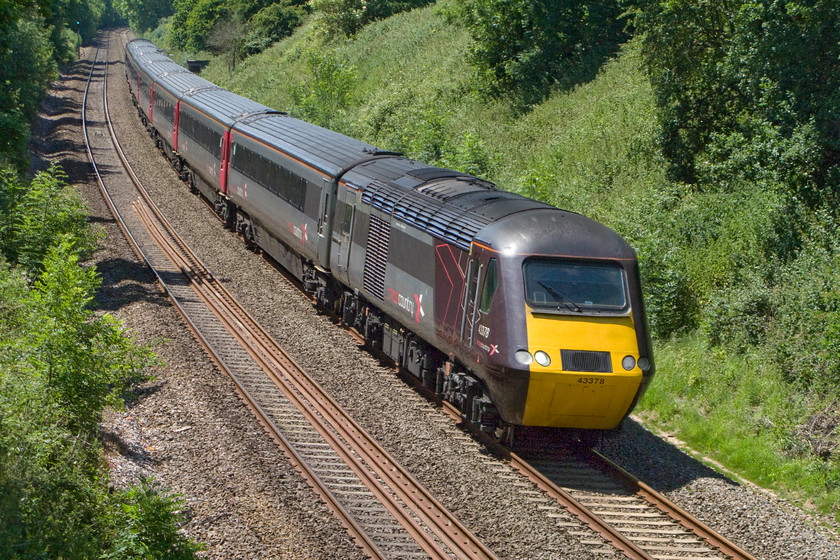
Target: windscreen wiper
563, 299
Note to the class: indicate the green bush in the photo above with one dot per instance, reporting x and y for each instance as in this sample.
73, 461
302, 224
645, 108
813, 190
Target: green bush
269, 25
346, 17
46, 211
807, 339
525, 47
324, 94
145, 523
88, 359
60, 364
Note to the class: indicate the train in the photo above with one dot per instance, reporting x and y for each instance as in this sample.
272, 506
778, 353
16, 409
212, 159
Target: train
518, 313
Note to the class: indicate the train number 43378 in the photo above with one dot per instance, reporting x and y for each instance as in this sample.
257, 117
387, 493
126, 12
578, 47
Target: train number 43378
591, 380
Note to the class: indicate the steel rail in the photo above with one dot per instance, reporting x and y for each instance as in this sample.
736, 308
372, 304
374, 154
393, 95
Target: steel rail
291, 379
347, 521
454, 535
644, 491
668, 507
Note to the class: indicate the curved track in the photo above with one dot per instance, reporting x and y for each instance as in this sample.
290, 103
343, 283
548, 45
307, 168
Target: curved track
383, 508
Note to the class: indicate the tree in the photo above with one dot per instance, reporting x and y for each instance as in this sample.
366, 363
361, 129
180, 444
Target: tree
143, 15
346, 17
226, 38
270, 24
723, 67
26, 68
202, 19
525, 47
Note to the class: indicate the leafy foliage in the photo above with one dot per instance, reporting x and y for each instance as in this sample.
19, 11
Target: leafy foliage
26, 66
323, 97
526, 47
720, 65
36, 36
346, 17
146, 526
201, 20
88, 360
143, 15
269, 25
60, 364
46, 211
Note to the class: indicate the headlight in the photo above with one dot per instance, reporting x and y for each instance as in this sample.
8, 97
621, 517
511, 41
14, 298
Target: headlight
523, 357
644, 364
628, 363
542, 358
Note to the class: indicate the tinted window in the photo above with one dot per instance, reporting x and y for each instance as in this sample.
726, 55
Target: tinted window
269, 174
165, 108
491, 282
206, 137
574, 286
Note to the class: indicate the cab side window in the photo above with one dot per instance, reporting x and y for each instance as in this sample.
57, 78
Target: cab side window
491, 283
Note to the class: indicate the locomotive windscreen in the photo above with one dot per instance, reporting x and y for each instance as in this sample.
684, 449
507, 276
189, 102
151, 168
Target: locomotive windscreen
575, 286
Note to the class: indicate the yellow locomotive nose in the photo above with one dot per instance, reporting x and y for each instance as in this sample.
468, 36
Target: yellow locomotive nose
580, 377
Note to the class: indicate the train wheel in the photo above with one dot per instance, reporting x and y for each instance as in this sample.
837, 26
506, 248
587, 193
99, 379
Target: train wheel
191, 182
505, 434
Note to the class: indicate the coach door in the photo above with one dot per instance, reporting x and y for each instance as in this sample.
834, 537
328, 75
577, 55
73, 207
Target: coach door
475, 272
326, 208
342, 234
225, 162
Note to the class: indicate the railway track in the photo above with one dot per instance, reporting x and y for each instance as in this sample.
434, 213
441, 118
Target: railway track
613, 502
583, 486
382, 507
385, 510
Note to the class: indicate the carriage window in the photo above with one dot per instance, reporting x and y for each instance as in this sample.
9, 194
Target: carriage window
206, 137
575, 286
165, 108
348, 218
491, 282
270, 175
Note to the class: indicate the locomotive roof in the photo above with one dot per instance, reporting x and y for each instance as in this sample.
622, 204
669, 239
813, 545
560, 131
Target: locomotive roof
453, 206
550, 231
328, 151
448, 204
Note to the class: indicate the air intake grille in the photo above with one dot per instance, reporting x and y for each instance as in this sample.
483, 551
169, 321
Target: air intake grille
376, 258
444, 221
580, 360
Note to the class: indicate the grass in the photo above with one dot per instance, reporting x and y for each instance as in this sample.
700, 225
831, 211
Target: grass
738, 410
